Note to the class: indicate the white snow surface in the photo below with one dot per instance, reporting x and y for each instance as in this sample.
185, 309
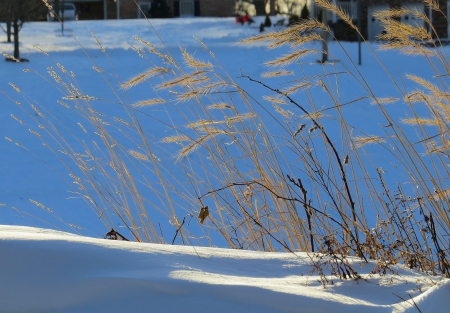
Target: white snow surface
46, 270
50, 271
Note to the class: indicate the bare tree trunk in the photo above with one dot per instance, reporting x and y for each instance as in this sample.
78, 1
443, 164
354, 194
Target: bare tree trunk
16, 39
272, 7
8, 30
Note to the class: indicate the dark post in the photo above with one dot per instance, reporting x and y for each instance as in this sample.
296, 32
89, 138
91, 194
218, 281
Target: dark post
16, 38
56, 8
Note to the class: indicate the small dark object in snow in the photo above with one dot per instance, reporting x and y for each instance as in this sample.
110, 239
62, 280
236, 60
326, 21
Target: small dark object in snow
267, 21
113, 235
279, 23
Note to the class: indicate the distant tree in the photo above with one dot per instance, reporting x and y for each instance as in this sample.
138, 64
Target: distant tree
16, 13
4, 15
272, 7
287, 6
159, 9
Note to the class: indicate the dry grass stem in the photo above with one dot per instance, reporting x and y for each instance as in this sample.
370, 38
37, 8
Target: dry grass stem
267, 177
277, 100
384, 100
190, 61
138, 155
313, 116
284, 113
297, 87
362, 141
192, 147
153, 72
326, 4
277, 73
424, 83
290, 58
14, 86
219, 106
183, 80
422, 121
176, 139
149, 102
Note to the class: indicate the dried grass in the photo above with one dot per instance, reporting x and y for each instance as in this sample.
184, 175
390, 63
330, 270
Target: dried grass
272, 176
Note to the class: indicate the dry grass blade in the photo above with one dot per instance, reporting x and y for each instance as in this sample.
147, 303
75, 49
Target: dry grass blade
192, 147
441, 195
203, 123
383, 100
228, 120
205, 90
175, 139
290, 58
422, 121
326, 4
138, 155
149, 102
239, 118
274, 99
295, 88
362, 141
184, 80
242, 158
11, 57
277, 73
289, 35
424, 83
17, 119
122, 121
293, 39
153, 72
269, 36
391, 13
14, 87
313, 116
405, 46
300, 40
304, 27
435, 149
434, 4
395, 30
144, 42
416, 96
284, 113
42, 51
210, 133
190, 61
219, 106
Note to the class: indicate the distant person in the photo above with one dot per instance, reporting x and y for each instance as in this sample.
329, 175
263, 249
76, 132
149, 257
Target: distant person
239, 19
247, 19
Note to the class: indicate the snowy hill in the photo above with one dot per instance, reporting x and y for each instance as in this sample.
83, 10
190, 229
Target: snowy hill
48, 271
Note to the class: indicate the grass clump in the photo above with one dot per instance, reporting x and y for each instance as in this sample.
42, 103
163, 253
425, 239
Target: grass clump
273, 172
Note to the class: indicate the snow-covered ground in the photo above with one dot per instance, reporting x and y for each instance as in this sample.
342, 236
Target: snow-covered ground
49, 271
